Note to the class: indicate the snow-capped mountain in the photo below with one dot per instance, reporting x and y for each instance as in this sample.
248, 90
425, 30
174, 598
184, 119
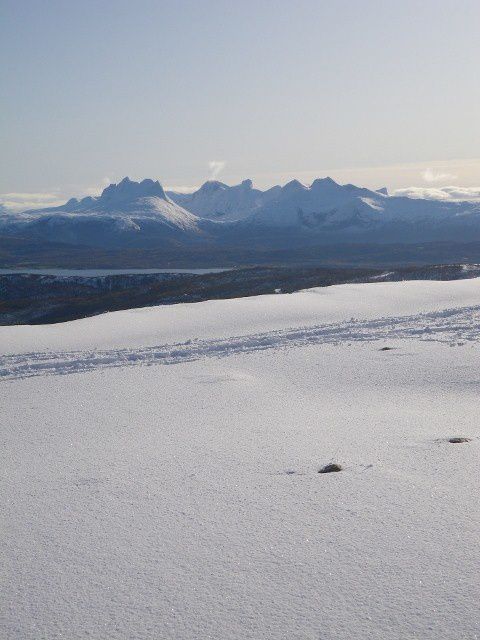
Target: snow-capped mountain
136, 213
217, 201
127, 199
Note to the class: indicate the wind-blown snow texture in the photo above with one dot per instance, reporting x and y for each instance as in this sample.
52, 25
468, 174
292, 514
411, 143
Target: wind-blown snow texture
185, 502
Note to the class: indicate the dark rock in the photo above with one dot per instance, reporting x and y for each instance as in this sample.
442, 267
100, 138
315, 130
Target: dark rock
458, 440
331, 467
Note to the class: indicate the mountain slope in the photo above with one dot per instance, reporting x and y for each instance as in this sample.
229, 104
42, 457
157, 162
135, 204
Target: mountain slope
296, 203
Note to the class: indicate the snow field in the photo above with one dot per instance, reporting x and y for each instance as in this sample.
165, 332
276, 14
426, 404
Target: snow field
185, 501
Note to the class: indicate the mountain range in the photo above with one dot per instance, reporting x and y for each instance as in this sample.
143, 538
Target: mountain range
142, 215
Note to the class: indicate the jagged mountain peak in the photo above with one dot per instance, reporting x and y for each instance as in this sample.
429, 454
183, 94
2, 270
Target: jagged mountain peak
128, 189
324, 182
210, 186
294, 185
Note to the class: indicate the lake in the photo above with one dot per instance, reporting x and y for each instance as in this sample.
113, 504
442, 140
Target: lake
93, 273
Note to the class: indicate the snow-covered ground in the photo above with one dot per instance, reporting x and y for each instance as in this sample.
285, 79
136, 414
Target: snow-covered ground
160, 469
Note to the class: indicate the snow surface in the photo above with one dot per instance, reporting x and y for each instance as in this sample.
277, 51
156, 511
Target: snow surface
146, 499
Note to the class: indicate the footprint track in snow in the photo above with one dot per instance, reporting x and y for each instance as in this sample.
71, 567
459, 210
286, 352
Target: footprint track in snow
450, 326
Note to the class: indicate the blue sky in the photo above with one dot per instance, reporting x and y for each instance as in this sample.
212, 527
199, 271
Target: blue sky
370, 92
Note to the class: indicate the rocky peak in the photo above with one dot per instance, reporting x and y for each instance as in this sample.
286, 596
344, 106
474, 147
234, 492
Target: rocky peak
130, 190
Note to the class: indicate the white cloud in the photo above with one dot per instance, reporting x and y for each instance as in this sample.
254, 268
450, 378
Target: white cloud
24, 201
216, 167
431, 176
441, 193
181, 188
97, 190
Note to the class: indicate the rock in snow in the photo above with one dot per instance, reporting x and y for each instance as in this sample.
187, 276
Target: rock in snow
331, 467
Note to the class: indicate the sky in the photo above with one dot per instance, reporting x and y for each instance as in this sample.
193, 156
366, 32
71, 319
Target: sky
378, 93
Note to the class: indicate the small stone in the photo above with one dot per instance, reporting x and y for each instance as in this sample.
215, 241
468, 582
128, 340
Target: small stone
458, 440
386, 349
332, 467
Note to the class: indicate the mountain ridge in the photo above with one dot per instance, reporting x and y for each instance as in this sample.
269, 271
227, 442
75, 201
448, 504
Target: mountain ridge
143, 214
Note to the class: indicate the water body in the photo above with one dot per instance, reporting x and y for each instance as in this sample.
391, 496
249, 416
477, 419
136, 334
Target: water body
95, 273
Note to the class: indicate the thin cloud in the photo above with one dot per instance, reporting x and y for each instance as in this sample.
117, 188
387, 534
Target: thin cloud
431, 176
452, 193
17, 202
216, 167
